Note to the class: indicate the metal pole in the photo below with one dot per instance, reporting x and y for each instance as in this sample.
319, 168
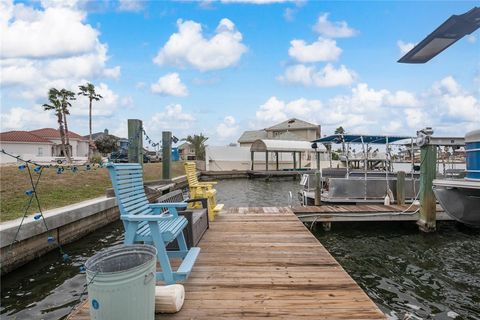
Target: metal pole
276, 159
166, 154
365, 169
428, 168
135, 138
266, 160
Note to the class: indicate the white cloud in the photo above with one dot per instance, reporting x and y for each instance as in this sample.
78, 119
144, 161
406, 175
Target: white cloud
112, 72
416, 119
227, 129
104, 107
18, 118
328, 76
272, 111
471, 38
289, 14
404, 46
337, 29
188, 47
54, 32
402, 98
447, 85
33, 62
172, 117
170, 85
131, 5
320, 50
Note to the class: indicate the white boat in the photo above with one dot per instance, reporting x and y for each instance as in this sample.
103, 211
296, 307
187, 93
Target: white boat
460, 198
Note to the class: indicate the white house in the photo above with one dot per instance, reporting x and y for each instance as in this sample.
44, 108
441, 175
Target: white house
40, 145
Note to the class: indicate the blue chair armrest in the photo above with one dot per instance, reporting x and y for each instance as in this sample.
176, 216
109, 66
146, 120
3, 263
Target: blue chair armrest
170, 206
146, 217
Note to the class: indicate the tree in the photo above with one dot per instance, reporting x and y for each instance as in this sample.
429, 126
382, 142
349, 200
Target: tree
339, 130
107, 144
66, 96
88, 90
198, 144
56, 105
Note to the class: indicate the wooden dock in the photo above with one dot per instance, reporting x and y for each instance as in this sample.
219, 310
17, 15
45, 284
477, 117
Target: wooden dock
365, 212
263, 262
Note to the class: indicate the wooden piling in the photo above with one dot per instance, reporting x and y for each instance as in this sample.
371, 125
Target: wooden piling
428, 169
401, 187
318, 189
135, 138
166, 154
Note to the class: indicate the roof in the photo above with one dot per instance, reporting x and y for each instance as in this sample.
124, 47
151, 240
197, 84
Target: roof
292, 124
22, 136
252, 135
55, 133
183, 145
355, 138
262, 145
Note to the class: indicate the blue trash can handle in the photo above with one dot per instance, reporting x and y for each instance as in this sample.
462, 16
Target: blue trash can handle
148, 278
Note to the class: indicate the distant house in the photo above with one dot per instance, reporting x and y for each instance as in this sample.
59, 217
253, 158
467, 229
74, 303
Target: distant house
122, 142
292, 129
42, 144
186, 151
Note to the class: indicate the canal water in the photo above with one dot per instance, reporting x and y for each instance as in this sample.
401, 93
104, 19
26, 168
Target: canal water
408, 274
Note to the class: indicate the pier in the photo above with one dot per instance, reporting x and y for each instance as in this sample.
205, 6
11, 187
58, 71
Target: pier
263, 262
370, 212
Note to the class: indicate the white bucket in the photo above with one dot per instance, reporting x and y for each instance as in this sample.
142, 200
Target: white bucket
121, 283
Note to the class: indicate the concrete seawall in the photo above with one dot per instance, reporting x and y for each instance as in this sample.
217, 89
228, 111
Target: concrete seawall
66, 225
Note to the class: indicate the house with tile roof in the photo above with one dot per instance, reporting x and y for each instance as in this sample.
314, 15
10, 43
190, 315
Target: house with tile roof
41, 145
291, 129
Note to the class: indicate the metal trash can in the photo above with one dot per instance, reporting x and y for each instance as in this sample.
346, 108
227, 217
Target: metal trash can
121, 283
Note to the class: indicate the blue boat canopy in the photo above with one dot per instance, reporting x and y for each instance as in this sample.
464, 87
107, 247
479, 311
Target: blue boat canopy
357, 138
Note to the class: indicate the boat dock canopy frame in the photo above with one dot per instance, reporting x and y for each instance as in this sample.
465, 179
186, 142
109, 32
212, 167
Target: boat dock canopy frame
357, 138
282, 146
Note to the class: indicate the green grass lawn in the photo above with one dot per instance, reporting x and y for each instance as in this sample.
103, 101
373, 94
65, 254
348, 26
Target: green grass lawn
57, 190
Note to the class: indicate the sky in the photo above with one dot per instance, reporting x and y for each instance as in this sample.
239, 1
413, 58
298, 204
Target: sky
223, 67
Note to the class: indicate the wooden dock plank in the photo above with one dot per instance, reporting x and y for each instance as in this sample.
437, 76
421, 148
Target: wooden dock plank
266, 264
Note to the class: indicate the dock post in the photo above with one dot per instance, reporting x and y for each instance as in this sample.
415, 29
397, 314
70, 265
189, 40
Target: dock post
327, 226
428, 168
300, 160
135, 139
266, 160
318, 190
166, 154
252, 155
401, 188
294, 161
276, 159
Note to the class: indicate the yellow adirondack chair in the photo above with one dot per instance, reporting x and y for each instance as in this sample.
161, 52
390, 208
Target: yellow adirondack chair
202, 190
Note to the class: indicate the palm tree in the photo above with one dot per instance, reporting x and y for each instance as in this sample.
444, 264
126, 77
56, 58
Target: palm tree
198, 144
66, 97
88, 90
56, 105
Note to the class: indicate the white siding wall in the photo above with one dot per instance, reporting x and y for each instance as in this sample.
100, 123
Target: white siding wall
25, 150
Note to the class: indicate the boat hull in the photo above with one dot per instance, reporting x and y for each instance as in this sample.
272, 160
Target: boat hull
461, 203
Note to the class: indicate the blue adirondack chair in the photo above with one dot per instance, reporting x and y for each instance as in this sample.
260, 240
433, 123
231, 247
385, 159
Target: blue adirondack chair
152, 223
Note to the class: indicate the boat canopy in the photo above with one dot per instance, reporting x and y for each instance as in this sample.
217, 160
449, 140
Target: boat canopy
262, 145
357, 138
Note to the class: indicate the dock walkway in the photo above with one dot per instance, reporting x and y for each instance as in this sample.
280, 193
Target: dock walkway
263, 262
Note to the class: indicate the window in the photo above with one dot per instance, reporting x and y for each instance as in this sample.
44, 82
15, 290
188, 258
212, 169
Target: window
40, 151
